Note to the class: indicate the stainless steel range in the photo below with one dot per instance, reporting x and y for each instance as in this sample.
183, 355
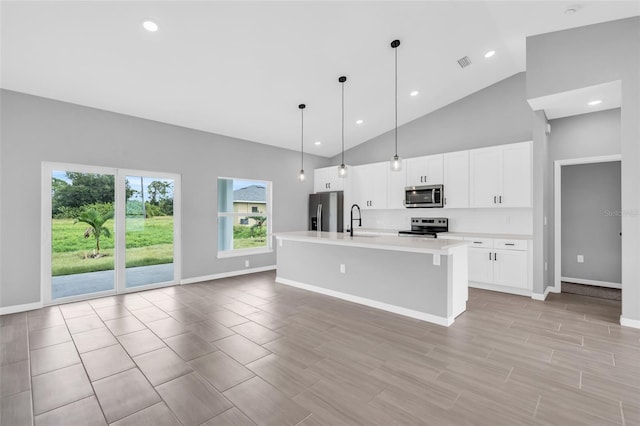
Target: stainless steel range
426, 227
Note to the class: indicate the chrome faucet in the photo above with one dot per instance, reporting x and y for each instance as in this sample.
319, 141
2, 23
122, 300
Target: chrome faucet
359, 217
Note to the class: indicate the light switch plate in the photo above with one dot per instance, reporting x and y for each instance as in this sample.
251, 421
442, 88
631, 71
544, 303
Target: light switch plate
343, 268
580, 258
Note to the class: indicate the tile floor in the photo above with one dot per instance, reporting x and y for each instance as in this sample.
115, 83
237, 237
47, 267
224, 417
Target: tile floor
244, 351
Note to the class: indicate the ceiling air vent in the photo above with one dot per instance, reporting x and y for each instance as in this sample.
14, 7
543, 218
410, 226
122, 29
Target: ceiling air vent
464, 62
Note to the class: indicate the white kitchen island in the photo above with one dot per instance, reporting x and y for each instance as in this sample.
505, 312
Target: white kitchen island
421, 278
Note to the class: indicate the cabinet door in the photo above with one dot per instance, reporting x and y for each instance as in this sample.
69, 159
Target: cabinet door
480, 267
359, 186
516, 175
416, 171
484, 173
378, 175
434, 169
326, 179
456, 179
510, 268
395, 188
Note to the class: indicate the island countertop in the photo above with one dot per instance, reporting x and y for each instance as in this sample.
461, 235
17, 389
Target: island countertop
382, 242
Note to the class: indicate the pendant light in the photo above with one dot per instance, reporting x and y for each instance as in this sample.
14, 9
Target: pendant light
396, 161
342, 169
301, 176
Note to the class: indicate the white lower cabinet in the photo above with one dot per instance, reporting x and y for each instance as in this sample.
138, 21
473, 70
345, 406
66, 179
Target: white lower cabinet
499, 264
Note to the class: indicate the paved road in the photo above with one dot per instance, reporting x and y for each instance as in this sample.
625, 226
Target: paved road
91, 282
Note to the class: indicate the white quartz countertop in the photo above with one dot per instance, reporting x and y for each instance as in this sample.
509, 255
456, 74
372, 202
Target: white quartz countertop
485, 235
381, 242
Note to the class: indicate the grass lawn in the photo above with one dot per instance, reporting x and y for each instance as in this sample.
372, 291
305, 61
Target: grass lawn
240, 243
149, 242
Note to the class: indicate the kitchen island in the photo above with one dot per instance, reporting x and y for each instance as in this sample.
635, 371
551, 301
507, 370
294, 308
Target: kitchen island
422, 278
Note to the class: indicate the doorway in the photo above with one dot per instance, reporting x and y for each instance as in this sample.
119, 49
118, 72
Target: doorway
107, 231
587, 222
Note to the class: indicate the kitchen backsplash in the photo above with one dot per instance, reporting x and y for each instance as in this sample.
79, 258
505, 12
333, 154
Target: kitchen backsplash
503, 221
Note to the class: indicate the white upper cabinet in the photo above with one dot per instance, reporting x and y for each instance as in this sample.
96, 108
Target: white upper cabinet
500, 176
395, 188
368, 185
456, 180
425, 170
326, 179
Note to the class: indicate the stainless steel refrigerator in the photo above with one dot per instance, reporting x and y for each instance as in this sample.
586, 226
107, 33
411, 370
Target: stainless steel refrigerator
326, 211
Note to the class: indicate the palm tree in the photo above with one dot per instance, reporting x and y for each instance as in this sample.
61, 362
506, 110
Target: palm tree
96, 221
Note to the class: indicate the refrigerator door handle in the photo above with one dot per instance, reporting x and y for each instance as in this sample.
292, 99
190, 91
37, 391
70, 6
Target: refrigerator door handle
319, 214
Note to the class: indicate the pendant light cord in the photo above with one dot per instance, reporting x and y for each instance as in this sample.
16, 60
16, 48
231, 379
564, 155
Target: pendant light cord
342, 122
302, 141
396, 70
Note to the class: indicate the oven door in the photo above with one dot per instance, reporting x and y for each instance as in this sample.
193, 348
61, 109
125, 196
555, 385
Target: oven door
423, 196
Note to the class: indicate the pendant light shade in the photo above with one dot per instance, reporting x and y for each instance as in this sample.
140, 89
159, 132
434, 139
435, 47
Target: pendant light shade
301, 175
396, 161
342, 168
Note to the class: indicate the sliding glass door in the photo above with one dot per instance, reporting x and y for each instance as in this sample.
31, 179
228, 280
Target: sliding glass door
107, 231
149, 248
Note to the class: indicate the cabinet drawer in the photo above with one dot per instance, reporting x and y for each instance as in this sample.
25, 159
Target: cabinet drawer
480, 242
510, 244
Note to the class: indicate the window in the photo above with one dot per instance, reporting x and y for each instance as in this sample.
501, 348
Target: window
244, 217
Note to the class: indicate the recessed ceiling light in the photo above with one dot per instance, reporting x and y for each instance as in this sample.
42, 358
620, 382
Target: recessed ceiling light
358, 122
593, 103
414, 93
570, 11
318, 143
489, 53
150, 26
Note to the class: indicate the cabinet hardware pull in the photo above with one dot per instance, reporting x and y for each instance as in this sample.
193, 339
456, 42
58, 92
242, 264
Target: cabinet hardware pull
495, 256
477, 242
500, 198
494, 199
509, 244
489, 255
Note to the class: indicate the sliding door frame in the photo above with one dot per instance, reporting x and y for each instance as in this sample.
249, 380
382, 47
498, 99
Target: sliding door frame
120, 175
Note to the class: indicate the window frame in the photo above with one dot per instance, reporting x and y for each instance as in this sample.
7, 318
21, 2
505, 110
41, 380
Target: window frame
221, 254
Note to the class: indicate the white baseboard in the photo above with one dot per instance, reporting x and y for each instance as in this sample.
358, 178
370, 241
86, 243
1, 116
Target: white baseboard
591, 282
368, 302
628, 322
6, 310
543, 296
227, 274
500, 288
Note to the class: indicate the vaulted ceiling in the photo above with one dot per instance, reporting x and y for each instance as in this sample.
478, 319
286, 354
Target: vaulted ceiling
241, 68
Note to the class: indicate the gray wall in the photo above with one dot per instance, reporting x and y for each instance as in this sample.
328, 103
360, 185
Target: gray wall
590, 221
36, 129
585, 135
586, 56
496, 115
542, 277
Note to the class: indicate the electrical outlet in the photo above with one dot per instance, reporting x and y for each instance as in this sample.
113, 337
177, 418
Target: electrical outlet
580, 258
343, 268
246, 263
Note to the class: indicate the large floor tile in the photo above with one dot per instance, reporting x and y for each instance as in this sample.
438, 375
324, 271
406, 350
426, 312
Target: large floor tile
48, 336
124, 393
156, 415
192, 399
140, 342
16, 410
60, 387
231, 417
124, 325
105, 362
256, 332
189, 345
162, 365
85, 412
221, 370
167, 327
265, 404
53, 357
14, 378
94, 339
241, 349
84, 323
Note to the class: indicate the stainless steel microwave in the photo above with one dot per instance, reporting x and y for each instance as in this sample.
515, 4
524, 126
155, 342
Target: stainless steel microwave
424, 196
